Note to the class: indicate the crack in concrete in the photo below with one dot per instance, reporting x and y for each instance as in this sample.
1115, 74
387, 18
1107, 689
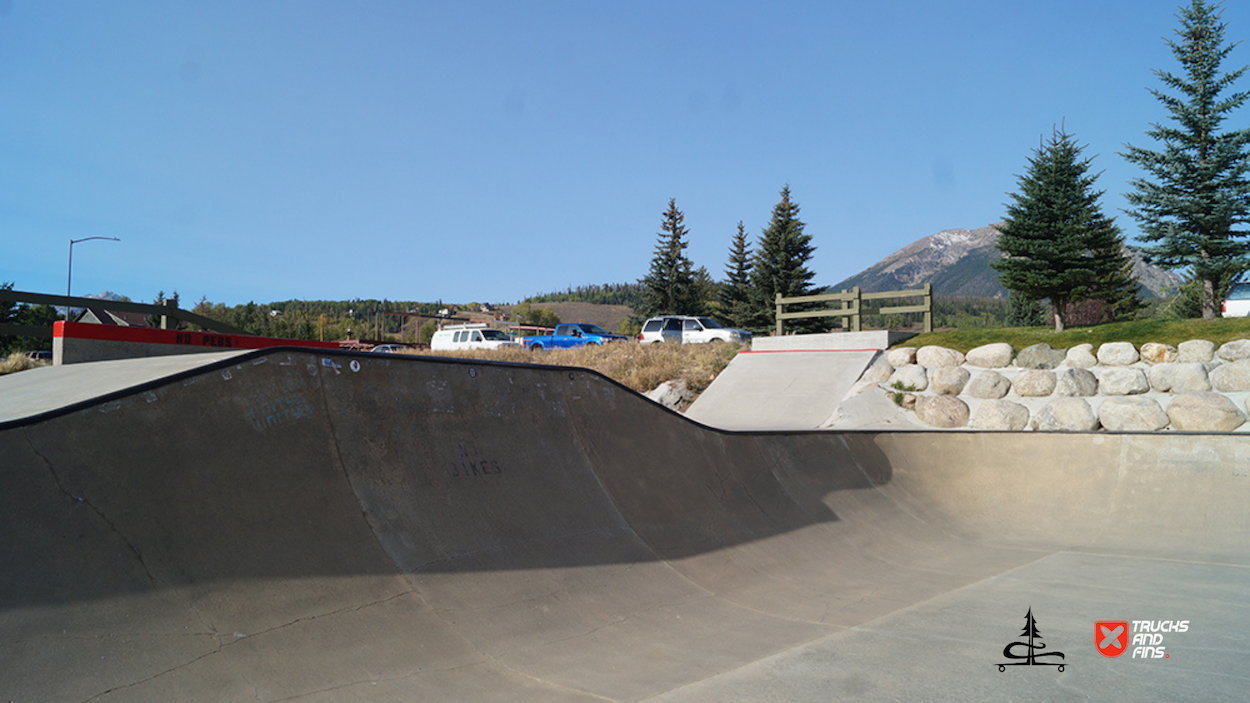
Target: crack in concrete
626, 618
225, 640
331, 613
56, 478
373, 680
156, 676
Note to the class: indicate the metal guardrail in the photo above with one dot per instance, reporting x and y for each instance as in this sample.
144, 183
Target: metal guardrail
852, 306
167, 311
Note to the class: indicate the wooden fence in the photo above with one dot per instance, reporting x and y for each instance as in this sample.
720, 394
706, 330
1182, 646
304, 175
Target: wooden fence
851, 304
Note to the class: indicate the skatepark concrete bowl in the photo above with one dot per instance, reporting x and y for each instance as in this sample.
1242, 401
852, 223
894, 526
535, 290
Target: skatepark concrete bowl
318, 526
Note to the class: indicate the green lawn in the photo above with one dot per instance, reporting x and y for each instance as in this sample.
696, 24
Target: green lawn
1138, 332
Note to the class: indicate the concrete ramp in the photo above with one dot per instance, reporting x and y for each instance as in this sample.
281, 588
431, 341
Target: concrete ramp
780, 390
293, 525
791, 382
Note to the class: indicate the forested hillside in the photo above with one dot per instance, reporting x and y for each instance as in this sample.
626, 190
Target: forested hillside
607, 294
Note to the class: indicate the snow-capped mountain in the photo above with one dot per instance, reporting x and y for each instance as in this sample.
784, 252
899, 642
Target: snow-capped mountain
956, 262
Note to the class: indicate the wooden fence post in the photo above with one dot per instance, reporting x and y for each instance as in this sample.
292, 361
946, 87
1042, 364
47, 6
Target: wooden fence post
928, 307
858, 306
779, 311
169, 306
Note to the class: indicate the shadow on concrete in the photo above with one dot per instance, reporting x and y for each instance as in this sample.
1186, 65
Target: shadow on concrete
289, 464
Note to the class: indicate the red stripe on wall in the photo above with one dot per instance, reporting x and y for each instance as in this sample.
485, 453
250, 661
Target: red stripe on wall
148, 335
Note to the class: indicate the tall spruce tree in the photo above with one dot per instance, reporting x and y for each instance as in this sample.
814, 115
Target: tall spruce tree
670, 286
735, 293
780, 266
1196, 193
1056, 242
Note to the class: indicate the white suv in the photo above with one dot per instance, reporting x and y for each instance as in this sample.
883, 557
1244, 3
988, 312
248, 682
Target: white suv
686, 329
478, 336
1237, 304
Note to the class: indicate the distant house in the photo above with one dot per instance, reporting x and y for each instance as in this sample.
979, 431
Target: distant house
100, 316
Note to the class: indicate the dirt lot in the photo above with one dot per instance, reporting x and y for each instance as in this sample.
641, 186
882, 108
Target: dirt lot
606, 316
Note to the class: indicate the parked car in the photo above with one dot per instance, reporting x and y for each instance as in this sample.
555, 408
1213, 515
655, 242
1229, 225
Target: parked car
687, 329
473, 336
389, 349
39, 356
572, 334
1237, 304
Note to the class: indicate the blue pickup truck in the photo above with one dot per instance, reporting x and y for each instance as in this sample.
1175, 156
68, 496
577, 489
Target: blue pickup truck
574, 334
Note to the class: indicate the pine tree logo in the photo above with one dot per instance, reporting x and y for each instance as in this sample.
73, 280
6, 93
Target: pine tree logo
1032, 647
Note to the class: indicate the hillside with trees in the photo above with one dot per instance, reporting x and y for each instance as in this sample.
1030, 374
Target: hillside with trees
629, 294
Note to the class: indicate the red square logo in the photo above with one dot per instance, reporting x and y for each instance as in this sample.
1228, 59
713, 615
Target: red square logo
1111, 637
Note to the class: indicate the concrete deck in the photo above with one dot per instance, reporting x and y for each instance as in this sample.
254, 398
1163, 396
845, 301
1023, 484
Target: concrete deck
330, 526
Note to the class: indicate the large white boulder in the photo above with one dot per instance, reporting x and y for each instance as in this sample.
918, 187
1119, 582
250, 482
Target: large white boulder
948, 380
1034, 383
944, 411
671, 394
911, 377
1199, 350
1235, 350
1232, 377
1117, 354
1121, 380
1180, 377
900, 357
1040, 356
1132, 414
1075, 382
1067, 414
1204, 412
933, 357
1000, 415
1156, 353
991, 356
988, 384
878, 372
1081, 357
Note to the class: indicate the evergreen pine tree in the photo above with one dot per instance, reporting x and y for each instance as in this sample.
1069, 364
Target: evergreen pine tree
1196, 193
780, 266
734, 299
173, 322
706, 292
1121, 290
669, 287
1056, 242
1023, 311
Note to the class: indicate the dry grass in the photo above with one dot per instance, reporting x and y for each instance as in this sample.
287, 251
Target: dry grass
18, 361
642, 367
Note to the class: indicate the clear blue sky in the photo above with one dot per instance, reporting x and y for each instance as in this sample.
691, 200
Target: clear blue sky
487, 151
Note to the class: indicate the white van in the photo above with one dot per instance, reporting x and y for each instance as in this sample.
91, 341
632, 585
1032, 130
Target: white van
476, 336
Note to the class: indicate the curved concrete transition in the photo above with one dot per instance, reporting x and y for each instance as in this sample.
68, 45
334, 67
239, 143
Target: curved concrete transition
287, 525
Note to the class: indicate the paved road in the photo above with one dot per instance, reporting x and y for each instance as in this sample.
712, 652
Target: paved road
284, 525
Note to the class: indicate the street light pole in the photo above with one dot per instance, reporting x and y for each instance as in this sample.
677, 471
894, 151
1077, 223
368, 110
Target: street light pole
69, 276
